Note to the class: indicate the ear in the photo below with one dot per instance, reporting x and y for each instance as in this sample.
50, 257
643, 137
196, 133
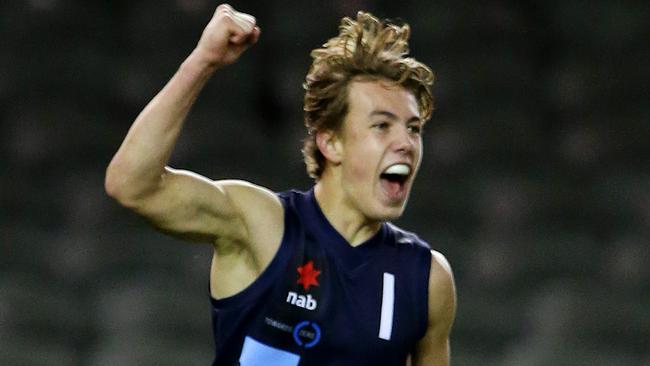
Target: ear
330, 146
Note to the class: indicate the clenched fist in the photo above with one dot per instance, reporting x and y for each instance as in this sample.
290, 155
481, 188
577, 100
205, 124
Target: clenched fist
227, 35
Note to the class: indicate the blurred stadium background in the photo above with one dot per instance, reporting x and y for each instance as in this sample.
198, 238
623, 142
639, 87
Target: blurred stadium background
535, 181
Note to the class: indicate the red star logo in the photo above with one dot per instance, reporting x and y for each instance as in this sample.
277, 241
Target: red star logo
308, 275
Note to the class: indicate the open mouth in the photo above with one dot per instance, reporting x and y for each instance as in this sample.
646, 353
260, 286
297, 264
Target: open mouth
393, 180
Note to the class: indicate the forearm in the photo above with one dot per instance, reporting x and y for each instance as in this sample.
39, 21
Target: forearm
138, 167
139, 164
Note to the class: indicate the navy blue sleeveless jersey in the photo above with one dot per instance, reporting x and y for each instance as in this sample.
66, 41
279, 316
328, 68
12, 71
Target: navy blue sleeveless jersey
323, 302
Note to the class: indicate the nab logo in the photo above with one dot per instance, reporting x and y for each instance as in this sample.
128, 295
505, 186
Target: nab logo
307, 277
302, 301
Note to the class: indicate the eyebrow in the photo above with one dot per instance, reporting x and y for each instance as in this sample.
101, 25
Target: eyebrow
392, 115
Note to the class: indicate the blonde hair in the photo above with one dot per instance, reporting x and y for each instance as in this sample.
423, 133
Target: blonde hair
367, 49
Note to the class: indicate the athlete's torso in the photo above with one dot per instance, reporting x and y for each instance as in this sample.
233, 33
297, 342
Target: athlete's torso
323, 302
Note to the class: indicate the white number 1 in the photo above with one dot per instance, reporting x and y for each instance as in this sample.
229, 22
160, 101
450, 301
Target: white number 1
387, 304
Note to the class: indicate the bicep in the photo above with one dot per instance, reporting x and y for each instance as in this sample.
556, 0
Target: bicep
190, 206
433, 348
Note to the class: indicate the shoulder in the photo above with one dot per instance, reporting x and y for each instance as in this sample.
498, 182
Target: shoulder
440, 265
261, 212
442, 290
433, 347
243, 193
251, 201
407, 238
293, 197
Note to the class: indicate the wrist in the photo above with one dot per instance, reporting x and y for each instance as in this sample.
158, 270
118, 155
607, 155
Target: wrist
197, 63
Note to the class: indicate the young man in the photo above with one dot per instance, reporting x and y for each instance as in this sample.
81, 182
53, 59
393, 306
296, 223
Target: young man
318, 277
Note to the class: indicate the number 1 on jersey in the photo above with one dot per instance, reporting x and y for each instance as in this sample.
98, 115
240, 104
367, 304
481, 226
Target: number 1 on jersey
387, 304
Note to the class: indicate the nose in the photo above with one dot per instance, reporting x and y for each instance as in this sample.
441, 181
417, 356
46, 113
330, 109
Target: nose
404, 141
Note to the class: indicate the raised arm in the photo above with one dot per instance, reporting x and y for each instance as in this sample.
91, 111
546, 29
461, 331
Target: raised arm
433, 348
180, 202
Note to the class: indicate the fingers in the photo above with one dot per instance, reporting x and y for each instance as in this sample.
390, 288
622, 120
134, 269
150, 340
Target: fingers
255, 36
244, 29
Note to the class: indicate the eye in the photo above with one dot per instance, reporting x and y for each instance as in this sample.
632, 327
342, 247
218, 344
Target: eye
381, 125
415, 129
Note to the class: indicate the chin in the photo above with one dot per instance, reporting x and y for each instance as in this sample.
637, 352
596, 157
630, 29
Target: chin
381, 208
389, 213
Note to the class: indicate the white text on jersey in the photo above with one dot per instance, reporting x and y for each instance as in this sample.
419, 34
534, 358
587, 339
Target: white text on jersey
305, 302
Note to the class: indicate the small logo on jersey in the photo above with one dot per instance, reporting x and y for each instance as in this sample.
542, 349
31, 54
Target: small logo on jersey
305, 302
308, 275
306, 334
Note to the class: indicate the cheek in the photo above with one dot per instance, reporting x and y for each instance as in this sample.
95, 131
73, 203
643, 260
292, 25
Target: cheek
417, 147
356, 167
362, 160
359, 171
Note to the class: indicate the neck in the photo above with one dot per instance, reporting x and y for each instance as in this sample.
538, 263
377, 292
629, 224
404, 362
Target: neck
348, 220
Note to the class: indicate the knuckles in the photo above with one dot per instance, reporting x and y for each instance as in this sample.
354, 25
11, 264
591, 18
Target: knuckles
224, 7
226, 14
228, 28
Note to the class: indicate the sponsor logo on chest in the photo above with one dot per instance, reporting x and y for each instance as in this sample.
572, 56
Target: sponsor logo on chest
302, 301
307, 277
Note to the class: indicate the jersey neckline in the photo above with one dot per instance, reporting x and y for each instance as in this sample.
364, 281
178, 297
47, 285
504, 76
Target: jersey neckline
351, 256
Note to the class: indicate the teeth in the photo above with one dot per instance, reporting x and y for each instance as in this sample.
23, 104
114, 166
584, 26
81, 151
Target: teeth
399, 169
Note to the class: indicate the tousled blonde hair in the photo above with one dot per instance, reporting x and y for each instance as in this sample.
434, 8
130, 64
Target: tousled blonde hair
367, 49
